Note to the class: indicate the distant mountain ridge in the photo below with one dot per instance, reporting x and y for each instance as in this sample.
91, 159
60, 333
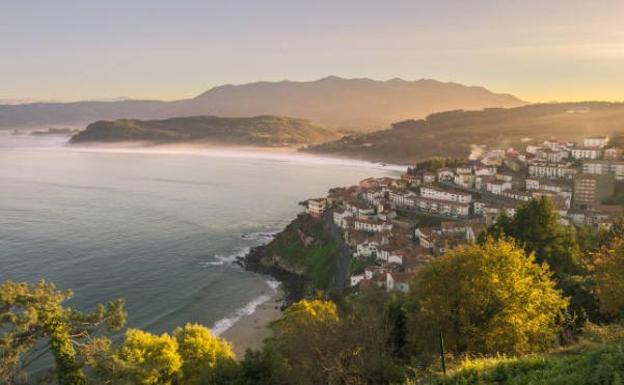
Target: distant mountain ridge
337, 103
264, 131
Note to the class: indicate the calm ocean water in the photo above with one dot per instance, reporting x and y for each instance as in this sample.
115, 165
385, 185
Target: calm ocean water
158, 228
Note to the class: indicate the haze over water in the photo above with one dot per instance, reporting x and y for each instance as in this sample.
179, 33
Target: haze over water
158, 228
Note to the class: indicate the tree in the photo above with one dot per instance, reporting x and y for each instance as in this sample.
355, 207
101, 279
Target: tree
314, 344
34, 322
191, 356
537, 229
486, 299
206, 358
608, 265
304, 338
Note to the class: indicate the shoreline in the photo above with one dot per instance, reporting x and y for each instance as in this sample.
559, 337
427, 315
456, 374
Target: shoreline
250, 331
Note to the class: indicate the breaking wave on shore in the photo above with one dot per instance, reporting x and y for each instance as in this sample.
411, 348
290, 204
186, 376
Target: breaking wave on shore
224, 324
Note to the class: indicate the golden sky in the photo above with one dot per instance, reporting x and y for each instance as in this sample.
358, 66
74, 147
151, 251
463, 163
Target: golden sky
537, 50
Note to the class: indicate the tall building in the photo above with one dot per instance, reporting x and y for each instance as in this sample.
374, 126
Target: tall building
591, 189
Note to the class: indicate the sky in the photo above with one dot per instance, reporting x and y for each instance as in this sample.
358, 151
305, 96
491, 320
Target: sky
548, 50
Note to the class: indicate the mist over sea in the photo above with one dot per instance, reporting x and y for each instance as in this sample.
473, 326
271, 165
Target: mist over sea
158, 227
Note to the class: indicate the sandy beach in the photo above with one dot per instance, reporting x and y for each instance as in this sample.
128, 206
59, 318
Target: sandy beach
251, 330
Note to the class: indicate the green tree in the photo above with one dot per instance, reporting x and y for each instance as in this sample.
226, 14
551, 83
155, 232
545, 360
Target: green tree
608, 265
34, 321
490, 298
537, 229
304, 338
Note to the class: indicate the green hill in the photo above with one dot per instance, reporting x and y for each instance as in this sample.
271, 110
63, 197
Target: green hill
452, 133
599, 364
271, 131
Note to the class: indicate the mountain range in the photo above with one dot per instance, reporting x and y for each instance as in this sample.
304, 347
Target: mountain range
333, 102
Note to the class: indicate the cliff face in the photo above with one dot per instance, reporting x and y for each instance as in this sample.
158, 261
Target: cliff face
269, 131
304, 256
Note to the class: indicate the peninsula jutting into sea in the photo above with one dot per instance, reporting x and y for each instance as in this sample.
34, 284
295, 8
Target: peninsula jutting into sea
312, 193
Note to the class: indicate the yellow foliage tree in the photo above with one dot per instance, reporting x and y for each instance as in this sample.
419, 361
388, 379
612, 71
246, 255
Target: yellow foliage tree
149, 359
203, 354
486, 299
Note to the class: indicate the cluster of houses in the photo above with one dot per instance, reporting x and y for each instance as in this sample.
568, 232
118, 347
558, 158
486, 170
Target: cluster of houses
381, 218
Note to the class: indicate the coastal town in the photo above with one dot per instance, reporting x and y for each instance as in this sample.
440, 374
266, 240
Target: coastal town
395, 226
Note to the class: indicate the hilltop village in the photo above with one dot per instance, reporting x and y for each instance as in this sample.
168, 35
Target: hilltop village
395, 226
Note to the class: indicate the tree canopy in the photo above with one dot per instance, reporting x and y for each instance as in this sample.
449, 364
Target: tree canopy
35, 321
608, 265
536, 228
489, 298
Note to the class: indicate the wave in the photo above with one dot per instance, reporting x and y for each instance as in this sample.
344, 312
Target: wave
239, 252
224, 324
211, 263
262, 237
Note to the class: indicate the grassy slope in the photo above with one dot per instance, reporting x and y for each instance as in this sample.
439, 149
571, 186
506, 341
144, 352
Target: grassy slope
316, 260
259, 130
601, 364
452, 133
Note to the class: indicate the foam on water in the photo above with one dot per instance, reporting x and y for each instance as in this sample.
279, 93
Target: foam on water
224, 324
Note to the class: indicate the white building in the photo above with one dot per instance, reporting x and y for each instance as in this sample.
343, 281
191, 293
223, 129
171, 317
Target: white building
466, 180
551, 170
445, 195
445, 174
596, 141
497, 186
551, 155
356, 279
586, 152
401, 198
340, 217
316, 207
436, 206
605, 167
371, 225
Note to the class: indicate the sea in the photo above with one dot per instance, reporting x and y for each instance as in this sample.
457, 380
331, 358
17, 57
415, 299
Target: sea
160, 227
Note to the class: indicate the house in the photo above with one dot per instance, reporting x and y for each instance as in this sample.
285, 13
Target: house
445, 195
366, 249
552, 155
497, 186
360, 210
340, 216
428, 177
485, 170
551, 170
398, 281
612, 153
412, 180
465, 179
445, 174
436, 206
517, 195
615, 167
316, 207
401, 198
356, 279
596, 141
586, 153
371, 225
